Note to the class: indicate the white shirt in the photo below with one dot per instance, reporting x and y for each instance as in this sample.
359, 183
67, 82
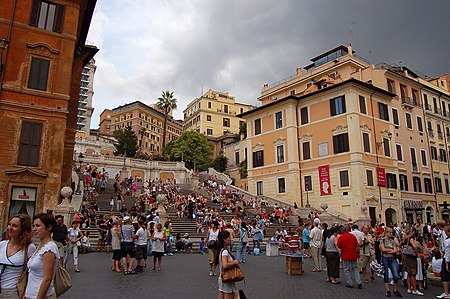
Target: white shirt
73, 233
315, 237
36, 270
14, 265
141, 237
213, 235
447, 250
436, 265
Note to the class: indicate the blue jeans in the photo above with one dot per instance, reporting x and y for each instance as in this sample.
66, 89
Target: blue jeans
351, 266
241, 252
230, 248
390, 263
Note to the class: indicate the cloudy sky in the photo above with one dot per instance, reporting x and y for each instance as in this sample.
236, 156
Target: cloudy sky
187, 46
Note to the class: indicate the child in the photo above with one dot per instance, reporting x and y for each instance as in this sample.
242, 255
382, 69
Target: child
187, 243
436, 263
202, 245
111, 203
85, 242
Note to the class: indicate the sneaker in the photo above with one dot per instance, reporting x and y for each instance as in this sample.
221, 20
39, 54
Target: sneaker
170, 253
409, 291
388, 294
442, 296
359, 286
417, 293
397, 293
211, 273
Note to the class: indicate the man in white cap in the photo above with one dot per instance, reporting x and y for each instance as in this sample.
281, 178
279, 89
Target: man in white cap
316, 245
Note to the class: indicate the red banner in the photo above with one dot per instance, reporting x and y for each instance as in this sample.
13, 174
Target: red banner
324, 179
381, 175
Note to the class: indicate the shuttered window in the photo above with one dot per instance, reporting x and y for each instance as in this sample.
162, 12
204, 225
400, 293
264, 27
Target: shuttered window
47, 15
38, 73
30, 144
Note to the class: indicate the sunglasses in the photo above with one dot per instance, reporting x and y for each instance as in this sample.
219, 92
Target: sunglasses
21, 216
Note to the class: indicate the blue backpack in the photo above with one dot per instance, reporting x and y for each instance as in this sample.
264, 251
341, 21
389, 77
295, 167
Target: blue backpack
256, 251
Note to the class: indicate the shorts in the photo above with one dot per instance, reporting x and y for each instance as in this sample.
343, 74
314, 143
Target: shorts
305, 245
409, 264
141, 252
117, 255
445, 275
365, 260
158, 254
128, 249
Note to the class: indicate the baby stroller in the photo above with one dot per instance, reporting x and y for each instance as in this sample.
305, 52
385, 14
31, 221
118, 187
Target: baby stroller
377, 268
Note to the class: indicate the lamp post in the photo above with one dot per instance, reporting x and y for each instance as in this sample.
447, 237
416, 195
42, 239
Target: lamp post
307, 194
80, 159
3, 47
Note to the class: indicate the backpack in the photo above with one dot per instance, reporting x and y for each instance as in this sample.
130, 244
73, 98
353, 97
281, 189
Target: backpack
256, 251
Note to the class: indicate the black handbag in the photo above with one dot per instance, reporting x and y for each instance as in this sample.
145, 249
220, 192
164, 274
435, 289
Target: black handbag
212, 244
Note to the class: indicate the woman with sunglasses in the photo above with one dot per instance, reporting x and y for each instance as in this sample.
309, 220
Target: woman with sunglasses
12, 253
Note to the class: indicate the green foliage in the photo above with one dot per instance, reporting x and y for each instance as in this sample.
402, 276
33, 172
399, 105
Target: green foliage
243, 169
220, 163
190, 147
166, 103
127, 142
142, 155
243, 129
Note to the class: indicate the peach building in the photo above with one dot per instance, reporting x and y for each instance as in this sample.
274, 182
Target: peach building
360, 131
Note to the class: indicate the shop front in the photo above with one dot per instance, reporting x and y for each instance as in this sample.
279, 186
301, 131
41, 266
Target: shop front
414, 210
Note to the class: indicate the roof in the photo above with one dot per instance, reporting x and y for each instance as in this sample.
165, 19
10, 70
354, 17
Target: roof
145, 106
292, 97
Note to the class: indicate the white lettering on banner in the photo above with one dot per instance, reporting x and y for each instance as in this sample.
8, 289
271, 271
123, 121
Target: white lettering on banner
413, 204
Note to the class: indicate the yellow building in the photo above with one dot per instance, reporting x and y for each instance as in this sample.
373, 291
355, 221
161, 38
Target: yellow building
147, 122
214, 114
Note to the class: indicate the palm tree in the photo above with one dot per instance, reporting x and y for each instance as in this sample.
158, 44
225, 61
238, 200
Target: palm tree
166, 103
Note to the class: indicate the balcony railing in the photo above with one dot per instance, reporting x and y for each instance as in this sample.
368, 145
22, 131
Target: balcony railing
407, 101
437, 110
430, 133
428, 107
440, 135
414, 166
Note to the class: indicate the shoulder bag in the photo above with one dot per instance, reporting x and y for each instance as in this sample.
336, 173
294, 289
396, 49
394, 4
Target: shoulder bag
62, 281
22, 281
232, 274
409, 250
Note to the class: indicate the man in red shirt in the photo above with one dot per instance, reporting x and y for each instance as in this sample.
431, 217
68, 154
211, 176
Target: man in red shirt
348, 244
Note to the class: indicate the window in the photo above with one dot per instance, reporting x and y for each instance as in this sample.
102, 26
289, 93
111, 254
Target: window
408, 121
343, 178
427, 185
280, 154
259, 188
226, 122
258, 158
417, 184
391, 180
30, 144
439, 131
225, 108
390, 86
369, 176
257, 126
395, 117
447, 187
384, 114
278, 120
399, 149
292, 92
387, 147
308, 183
413, 158
403, 182
435, 105
434, 155
419, 124
209, 105
425, 101
424, 157
38, 74
281, 185
366, 143
340, 143
47, 15
304, 115
362, 105
209, 131
306, 151
236, 158
208, 118
442, 155
403, 92
337, 106
438, 184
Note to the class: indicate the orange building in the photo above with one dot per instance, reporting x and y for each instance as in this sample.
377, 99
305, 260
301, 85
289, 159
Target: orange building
42, 56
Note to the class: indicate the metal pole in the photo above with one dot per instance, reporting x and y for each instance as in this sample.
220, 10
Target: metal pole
307, 199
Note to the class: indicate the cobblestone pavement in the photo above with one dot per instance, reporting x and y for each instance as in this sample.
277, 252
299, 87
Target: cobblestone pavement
186, 276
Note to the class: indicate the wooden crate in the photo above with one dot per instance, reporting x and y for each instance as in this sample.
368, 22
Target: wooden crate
294, 265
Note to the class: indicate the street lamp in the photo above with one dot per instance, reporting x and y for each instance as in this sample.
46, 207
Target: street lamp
307, 196
80, 159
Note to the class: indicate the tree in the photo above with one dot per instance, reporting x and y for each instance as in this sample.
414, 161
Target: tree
166, 103
191, 147
243, 129
220, 163
127, 142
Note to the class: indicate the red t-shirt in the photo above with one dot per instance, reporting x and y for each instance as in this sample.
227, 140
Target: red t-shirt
348, 244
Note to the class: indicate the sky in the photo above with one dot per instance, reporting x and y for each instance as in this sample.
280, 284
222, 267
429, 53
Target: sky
236, 46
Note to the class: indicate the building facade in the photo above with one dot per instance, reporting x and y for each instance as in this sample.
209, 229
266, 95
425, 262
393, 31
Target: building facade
384, 166
42, 55
214, 114
85, 108
146, 121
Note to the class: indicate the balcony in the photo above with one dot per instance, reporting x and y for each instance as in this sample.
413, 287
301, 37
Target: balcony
430, 133
437, 110
440, 135
428, 107
408, 102
415, 167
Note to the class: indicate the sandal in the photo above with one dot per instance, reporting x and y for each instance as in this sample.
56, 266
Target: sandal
118, 271
366, 280
336, 282
77, 270
373, 278
132, 272
159, 269
126, 272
